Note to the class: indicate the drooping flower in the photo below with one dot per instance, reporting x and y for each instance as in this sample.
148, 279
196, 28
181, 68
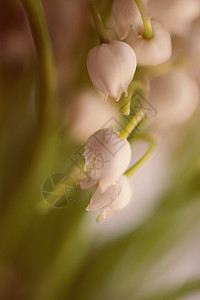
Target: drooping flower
175, 96
115, 198
152, 51
107, 156
111, 67
126, 15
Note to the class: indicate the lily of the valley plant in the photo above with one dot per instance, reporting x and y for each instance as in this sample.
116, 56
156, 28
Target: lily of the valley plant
111, 67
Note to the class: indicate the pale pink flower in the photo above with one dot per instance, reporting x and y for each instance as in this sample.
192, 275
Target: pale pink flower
107, 157
126, 15
111, 67
152, 51
115, 198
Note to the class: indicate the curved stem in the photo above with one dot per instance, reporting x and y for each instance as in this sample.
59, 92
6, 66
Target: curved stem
46, 95
140, 162
102, 32
148, 32
136, 119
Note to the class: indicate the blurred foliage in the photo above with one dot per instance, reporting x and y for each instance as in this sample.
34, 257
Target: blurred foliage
54, 253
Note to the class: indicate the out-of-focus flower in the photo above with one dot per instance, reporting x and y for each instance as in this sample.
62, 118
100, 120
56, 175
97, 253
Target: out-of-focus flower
152, 51
115, 198
111, 67
175, 15
175, 97
126, 14
190, 49
107, 156
90, 104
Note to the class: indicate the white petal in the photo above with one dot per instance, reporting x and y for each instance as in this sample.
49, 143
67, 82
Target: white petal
106, 64
100, 199
127, 63
124, 197
103, 70
126, 14
121, 201
151, 51
112, 156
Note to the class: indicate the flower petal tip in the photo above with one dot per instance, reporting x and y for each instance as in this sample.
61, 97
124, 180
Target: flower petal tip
90, 207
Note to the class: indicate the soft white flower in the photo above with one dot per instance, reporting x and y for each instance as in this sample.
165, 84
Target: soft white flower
126, 14
87, 112
175, 15
111, 67
115, 198
175, 97
152, 51
107, 156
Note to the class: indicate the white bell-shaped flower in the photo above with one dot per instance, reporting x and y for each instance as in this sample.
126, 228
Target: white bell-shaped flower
175, 15
175, 96
126, 15
111, 67
107, 157
88, 103
115, 198
152, 51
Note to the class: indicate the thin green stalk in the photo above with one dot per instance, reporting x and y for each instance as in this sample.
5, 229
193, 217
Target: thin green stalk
46, 143
46, 94
136, 119
68, 261
141, 161
126, 100
102, 32
148, 32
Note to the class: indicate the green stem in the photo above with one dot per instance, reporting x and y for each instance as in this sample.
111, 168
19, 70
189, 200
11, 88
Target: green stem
136, 119
141, 161
45, 146
46, 95
148, 32
126, 100
102, 32
67, 262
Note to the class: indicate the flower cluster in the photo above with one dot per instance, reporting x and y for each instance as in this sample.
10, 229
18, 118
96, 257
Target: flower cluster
145, 30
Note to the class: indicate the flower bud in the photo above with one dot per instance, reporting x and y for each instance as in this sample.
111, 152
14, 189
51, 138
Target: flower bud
111, 67
107, 156
126, 14
152, 51
115, 198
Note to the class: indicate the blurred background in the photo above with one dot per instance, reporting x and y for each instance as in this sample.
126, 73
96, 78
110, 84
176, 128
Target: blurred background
50, 247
